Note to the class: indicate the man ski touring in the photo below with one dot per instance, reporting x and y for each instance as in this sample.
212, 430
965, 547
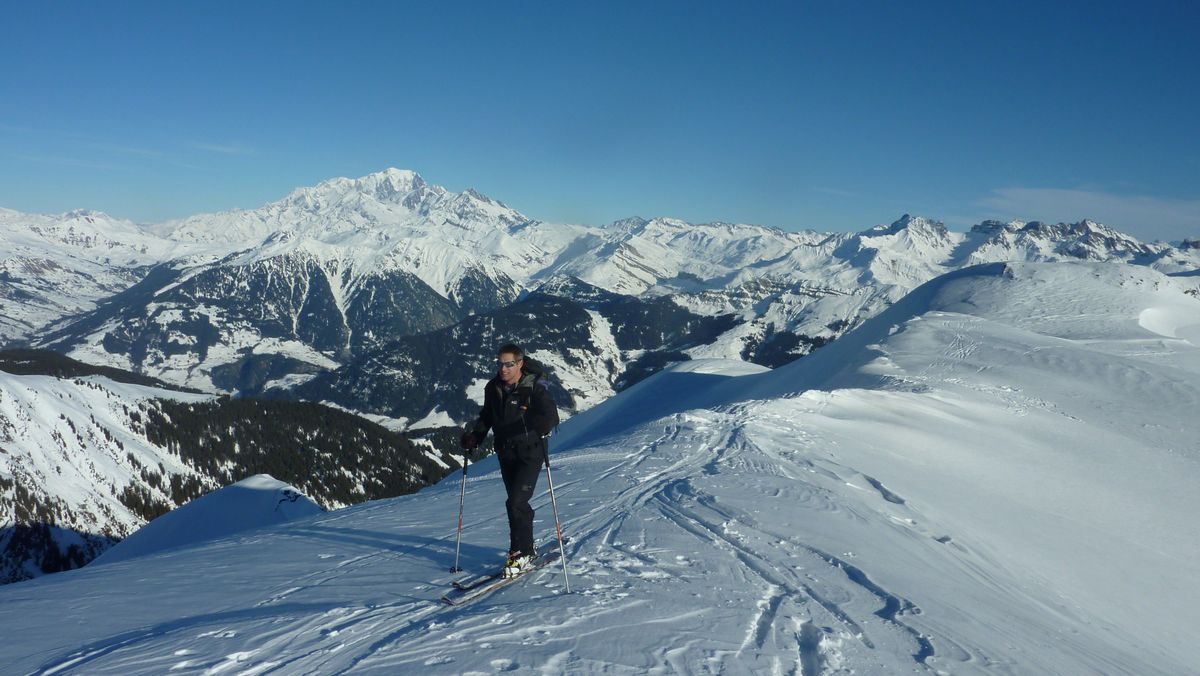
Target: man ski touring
519, 411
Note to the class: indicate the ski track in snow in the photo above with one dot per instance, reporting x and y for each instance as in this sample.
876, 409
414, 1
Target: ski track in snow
654, 530
651, 517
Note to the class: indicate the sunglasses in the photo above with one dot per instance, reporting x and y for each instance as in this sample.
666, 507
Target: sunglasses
509, 364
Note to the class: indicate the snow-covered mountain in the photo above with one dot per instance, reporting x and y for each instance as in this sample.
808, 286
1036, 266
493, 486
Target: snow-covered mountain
69, 453
392, 220
312, 293
996, 474
57, 266
87, 457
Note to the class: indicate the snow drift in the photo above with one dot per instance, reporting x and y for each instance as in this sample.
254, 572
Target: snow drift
997, 475
253, 502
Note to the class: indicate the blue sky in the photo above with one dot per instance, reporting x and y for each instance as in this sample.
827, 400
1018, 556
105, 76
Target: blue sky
829, 116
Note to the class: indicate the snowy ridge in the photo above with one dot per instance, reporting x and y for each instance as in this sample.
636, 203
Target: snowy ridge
253, 502
996, 475
89, 235
664, 255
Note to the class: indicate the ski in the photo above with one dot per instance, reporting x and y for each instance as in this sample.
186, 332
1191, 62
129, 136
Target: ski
482, 587
467, 584
480, 579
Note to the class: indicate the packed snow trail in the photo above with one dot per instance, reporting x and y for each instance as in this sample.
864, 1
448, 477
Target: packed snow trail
963, 486
629, 541
696, 550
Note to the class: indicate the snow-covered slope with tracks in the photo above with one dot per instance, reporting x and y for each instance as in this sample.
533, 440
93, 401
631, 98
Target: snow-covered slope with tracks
994, 476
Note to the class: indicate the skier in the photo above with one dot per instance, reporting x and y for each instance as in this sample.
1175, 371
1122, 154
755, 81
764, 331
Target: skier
518, 410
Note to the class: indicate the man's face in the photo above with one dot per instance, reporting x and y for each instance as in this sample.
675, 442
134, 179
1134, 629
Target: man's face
510, 368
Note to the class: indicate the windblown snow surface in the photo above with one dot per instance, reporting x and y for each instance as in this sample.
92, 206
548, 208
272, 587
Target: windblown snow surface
996, 475
255, 501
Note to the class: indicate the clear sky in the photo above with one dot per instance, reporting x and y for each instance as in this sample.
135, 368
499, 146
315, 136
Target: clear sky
821, 115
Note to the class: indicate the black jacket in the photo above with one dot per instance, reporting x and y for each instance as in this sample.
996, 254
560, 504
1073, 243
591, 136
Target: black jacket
519, 417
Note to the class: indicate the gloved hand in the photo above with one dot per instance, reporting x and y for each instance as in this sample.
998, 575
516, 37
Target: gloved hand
469, 440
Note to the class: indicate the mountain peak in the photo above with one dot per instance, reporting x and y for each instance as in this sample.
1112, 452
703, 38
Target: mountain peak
991, 226
392, 181
389, 185
85, 214
630, 223
1086, 228
911, 223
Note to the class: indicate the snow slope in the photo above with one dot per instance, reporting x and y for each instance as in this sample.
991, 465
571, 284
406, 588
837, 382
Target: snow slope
996, 475
253, 502
72, 444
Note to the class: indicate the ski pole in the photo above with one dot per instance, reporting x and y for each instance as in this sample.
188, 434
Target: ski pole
562, 554
462, 498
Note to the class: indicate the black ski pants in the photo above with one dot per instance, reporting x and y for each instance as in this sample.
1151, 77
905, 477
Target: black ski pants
519, 468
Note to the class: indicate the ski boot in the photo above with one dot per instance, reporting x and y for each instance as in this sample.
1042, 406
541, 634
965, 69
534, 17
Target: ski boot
517, 563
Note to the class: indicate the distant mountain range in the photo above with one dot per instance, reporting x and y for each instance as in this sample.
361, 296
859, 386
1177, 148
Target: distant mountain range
353, 279
386, 296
